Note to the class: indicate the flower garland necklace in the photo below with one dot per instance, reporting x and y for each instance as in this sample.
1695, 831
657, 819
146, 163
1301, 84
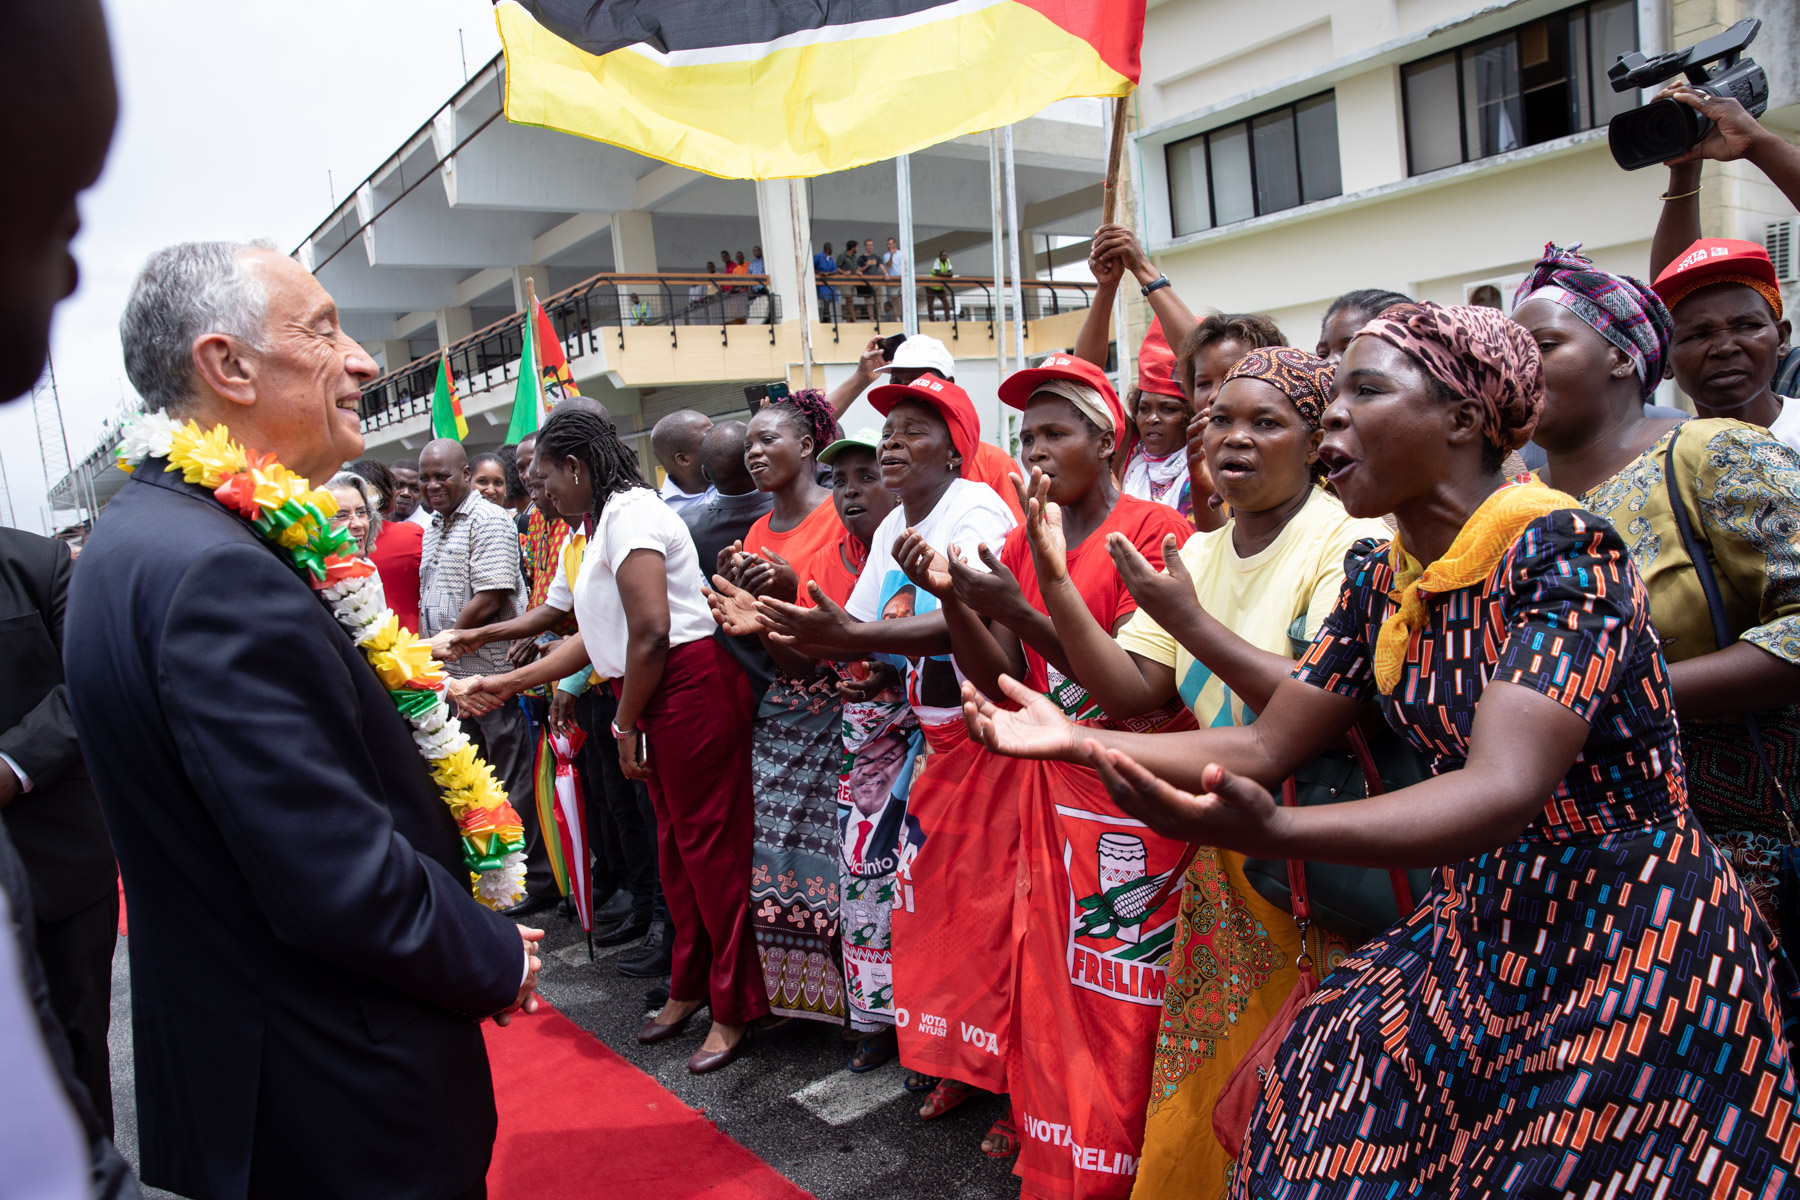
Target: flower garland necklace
287, 510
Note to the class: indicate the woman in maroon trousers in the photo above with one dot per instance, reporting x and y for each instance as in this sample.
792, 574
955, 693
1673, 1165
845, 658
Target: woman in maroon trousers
683, 724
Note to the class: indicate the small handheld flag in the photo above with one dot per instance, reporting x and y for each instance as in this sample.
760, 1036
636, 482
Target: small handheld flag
528, 396
447, 419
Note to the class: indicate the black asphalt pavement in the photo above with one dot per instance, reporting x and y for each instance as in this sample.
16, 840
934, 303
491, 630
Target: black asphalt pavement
841, 1136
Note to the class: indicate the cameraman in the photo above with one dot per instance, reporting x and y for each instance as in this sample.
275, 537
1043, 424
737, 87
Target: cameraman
1735, 135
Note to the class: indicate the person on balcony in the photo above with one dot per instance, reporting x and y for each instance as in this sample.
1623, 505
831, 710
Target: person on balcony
824, 264
938, 293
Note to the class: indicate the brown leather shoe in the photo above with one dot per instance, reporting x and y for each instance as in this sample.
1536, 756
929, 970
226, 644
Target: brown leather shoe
653, 1033
704, 1061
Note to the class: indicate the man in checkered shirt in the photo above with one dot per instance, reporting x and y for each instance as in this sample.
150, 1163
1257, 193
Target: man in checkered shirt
470, 575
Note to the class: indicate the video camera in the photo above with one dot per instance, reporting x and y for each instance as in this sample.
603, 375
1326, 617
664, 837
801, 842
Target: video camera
1665, 129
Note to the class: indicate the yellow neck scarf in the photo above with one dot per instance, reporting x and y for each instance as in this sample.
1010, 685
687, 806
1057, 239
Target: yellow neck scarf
1484, 538
573, 549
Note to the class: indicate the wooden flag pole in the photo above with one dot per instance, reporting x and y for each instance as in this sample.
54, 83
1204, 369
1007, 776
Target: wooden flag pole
1109, 205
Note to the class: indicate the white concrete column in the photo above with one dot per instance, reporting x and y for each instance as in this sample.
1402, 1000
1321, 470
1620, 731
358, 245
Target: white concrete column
454, 324
395, 353
634, 242
538, 275
787, 248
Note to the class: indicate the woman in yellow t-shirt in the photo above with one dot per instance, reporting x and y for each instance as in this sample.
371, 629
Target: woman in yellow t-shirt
1221, 627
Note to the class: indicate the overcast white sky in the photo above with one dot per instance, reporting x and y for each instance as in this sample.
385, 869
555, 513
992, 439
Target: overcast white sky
231, 115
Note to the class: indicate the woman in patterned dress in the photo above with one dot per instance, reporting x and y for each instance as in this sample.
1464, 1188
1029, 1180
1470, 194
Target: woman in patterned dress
1604, 340
796, 743
1586, 1002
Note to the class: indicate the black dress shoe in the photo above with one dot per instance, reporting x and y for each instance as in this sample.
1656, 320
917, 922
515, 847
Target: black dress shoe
653, 958
616, 908
657, 996
530, 904
630, 931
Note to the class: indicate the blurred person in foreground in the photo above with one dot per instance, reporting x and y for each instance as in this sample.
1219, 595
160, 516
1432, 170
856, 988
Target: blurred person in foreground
308, 966
58, 106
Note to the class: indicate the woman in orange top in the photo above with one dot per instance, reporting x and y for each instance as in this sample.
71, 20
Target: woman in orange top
797, 744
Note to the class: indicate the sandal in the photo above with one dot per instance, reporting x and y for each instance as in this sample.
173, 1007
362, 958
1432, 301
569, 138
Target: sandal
919, 1082
875, 1050
1002, 1141
945, 1096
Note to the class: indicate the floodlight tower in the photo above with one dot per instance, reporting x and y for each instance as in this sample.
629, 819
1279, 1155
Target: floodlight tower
53, 441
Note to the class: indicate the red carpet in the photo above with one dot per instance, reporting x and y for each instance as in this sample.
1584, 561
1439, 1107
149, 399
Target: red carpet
576, 1121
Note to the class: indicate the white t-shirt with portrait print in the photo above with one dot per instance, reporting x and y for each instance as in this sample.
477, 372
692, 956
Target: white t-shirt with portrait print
966, 515
632, 520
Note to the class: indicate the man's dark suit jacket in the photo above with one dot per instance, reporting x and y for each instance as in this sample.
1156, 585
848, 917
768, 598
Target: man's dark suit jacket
57, 825
306, 959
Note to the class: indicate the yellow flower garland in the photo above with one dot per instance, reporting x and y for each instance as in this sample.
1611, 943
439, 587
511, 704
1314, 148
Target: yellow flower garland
286, 509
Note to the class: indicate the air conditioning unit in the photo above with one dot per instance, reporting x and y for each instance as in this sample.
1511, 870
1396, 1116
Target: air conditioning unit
1782, 240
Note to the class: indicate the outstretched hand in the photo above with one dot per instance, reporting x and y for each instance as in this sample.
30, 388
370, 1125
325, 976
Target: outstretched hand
1236, 812
923, 565
1043, 527
1164, 594
993, 593
476, 695
1734, 130
451, 644
733, 608
527, 1000
1038, 729
868, 681
789, 624
766, 573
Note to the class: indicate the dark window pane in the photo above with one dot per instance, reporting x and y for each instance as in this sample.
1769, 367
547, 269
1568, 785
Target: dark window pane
1432, 137
1277, 170
1230, 167
1315, 128
1187, 186
1612, 31
1544, 81
1491, 96
1580, 110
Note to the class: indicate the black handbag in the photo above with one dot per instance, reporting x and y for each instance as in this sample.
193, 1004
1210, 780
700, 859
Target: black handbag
1721, 740
1355, 903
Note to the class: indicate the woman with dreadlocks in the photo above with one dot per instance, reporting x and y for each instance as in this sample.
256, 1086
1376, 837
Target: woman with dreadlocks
683, 722
797, 744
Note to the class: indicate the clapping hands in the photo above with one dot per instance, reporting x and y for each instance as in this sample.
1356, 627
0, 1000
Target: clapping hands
1164, 594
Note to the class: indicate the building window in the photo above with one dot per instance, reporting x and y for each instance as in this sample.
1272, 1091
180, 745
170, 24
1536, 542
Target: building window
1542, 80
1275, 160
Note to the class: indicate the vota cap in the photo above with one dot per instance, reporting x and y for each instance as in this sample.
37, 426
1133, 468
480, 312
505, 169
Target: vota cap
951, 401
921, 352
1719, 260
1018, 388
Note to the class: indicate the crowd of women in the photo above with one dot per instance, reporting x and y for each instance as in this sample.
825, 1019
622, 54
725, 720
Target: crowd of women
1262, 779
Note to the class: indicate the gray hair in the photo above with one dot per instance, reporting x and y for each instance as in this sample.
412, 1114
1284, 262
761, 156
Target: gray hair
183, 293
371, 496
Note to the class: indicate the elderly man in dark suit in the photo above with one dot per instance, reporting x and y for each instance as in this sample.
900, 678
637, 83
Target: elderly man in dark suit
309, 969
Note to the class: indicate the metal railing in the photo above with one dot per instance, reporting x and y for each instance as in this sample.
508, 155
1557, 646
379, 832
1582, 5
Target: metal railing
875, 300
489, 357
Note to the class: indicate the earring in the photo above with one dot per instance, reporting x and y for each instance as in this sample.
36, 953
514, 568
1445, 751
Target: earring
577, 475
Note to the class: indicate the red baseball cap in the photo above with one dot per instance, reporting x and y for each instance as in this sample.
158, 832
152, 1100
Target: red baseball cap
1018, 388
1719, 260
1156, 364
951, 401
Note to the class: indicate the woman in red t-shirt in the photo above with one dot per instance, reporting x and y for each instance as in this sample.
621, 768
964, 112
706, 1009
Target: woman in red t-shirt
999, 625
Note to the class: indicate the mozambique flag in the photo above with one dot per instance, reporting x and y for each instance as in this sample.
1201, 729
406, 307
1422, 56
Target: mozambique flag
772, 91
446, 410
528, 395
553, 362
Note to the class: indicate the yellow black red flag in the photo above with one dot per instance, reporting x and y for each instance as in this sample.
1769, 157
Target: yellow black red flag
771, 91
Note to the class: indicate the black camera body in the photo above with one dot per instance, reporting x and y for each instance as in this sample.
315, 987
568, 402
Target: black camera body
1665, 129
